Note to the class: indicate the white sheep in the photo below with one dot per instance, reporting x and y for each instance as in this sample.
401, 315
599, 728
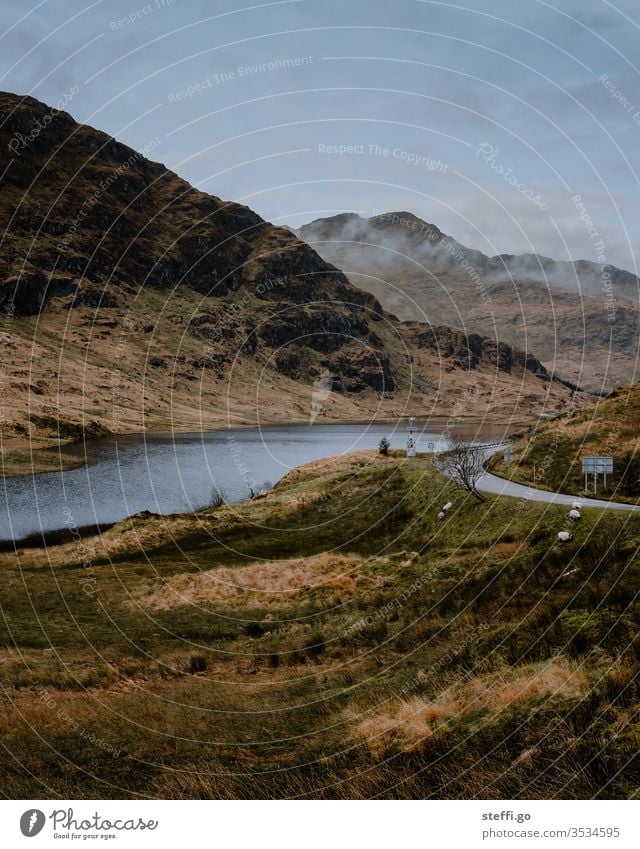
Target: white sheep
441, 515
564, 536
447, 506
574, 515
577, 505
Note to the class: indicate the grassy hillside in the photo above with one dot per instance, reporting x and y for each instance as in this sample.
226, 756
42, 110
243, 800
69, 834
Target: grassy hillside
332, 639
549, 454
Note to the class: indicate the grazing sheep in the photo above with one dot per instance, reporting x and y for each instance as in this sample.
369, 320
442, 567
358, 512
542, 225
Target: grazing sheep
447, 506
574, 515
441, 515
564, 536
577, 505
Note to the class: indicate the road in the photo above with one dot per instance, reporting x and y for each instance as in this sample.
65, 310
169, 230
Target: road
500, 486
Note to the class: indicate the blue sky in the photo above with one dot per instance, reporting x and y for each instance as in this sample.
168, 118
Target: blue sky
486, 118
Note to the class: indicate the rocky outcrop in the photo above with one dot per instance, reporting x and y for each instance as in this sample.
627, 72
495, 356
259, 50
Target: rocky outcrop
320, 328
469, 350
365, 369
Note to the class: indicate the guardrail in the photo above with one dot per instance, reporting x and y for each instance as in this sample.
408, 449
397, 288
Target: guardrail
484, 445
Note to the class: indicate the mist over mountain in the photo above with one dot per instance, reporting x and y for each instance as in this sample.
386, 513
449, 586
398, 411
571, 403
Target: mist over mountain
581, 319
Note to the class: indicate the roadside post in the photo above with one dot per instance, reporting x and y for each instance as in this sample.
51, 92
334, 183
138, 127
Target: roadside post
411, 442
508, 458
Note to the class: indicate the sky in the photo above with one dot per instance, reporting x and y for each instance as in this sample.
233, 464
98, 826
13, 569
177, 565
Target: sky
512, 126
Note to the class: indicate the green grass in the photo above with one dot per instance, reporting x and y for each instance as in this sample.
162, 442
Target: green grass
548, 454
257, 698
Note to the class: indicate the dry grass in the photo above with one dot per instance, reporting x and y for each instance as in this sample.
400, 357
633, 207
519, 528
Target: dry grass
409, 723
272, 583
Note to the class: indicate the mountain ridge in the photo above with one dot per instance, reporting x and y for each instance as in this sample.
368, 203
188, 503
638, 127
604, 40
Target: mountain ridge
585, 270
417, 271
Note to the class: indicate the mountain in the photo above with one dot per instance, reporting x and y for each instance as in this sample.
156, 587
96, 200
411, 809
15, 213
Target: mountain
580, 319
132, 300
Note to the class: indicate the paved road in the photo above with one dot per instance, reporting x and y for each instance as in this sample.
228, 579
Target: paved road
500, 486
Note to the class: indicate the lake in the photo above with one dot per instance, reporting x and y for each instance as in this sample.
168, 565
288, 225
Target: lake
176, 473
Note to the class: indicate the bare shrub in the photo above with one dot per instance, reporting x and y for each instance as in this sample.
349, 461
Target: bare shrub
463, 463
217, 497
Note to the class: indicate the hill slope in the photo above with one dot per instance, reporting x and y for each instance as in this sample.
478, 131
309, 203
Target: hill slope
580, 319
549, 454
133, 300
333, 639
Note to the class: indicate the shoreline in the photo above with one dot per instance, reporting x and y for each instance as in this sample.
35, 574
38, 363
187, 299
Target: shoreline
19, 458
45, 539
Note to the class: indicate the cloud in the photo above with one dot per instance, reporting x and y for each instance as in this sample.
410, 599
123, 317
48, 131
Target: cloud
427, 79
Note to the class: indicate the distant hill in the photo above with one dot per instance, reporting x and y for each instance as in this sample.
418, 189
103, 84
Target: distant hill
580, 319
